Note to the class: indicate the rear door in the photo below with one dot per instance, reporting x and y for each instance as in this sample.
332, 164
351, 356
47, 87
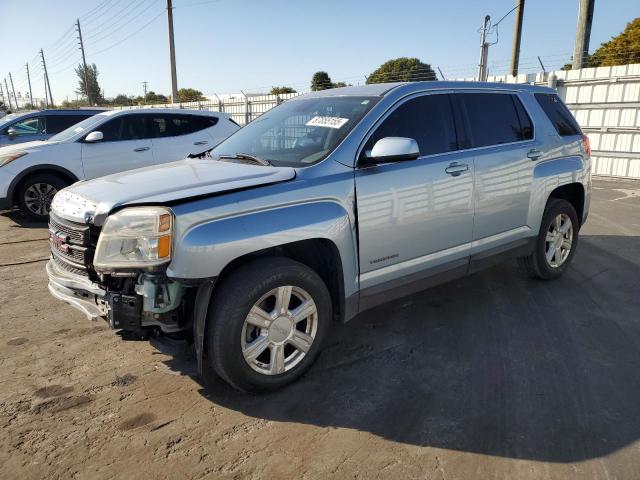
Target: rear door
175, 136
126, 145
415, 217
499, 132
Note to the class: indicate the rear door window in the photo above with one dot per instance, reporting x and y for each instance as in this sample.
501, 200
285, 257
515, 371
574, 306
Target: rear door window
427, 119
495, 118
58, 123
559, 114
170, 125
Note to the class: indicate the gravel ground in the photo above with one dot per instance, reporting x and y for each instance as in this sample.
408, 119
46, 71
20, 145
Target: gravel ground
492, 376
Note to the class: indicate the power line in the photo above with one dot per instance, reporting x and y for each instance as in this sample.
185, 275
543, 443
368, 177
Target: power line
130, 35
109, 34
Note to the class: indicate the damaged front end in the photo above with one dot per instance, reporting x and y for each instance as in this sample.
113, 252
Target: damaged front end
118, 271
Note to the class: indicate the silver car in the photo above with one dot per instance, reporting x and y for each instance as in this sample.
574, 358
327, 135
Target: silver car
322, 208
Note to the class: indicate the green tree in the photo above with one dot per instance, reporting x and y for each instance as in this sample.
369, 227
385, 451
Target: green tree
122, 99
153, 97
3, 107
320, 81
190, 95
88, 85
402, 69
339, 84
281, 90
621, 49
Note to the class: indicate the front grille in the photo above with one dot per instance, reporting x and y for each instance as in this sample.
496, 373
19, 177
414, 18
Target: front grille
67, 267
72, 244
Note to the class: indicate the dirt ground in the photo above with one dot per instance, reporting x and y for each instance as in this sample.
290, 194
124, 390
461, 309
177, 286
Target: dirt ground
493, 376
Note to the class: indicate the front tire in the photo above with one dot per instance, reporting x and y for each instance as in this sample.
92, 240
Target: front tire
556, 243
36, 193
266, 323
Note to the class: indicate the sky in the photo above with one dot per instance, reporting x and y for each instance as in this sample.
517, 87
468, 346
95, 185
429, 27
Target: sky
224, 46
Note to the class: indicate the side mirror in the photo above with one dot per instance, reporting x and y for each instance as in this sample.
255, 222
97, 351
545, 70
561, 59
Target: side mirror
12, 132
95, 136
393, 149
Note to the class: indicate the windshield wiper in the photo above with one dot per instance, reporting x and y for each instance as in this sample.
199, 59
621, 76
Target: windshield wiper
245, 156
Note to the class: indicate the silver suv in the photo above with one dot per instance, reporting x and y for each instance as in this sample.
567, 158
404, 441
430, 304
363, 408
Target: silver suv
322, 208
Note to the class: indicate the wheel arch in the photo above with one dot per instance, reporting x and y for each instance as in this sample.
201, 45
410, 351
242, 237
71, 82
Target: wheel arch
572, 193
23, 176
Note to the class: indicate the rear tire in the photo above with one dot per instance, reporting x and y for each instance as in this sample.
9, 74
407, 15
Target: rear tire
36, 193
266, 323
556, 242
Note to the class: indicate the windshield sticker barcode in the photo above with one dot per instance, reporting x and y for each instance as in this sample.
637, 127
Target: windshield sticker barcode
329, 122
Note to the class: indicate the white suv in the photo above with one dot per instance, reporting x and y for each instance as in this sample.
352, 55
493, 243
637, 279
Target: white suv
31, 173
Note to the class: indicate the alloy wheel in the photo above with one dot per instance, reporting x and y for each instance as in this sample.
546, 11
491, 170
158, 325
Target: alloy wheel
38, 197
559, 240
279, 330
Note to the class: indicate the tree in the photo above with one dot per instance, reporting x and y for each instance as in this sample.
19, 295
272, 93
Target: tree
3, 107
402, 69
121, 99
153, 97
281, 90
190, 95
622, 49
339, 84
88, 84
320, 81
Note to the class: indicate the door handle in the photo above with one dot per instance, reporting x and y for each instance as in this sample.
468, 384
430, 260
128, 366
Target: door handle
456, 169
141, 149
534, 154
201, 142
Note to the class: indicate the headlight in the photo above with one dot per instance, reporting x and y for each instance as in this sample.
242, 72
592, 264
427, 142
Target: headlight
10, 157
135, 237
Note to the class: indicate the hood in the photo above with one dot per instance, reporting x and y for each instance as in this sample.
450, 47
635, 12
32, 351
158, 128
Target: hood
91, 201
28, 146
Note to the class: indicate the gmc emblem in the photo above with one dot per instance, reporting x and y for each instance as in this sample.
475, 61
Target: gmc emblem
58, 240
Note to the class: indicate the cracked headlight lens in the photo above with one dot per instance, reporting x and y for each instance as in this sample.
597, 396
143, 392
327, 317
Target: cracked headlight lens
135, 237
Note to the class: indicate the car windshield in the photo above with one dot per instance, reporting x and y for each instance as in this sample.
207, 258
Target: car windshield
73, 130
297, 133
11, 117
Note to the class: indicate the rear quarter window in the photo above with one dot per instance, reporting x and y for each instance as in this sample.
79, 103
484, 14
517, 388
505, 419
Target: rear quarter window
558, 114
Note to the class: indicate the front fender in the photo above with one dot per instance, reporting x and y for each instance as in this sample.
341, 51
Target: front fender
206, 248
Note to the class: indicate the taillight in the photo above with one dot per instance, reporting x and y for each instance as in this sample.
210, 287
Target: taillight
587, 145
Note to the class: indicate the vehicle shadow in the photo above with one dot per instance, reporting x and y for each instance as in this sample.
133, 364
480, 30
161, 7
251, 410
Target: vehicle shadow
20, 221
493, 364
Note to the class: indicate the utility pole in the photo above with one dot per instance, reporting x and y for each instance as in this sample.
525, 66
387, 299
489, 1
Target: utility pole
144, 87
47, 85
484, 50
583, 33
8, 93
172, 54
29, 80
14, 90
84, 62
517, 35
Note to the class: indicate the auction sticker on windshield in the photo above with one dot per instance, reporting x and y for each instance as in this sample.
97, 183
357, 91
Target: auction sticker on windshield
328, 122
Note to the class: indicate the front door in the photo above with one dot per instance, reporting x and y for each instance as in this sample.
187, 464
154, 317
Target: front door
125, 146
415, 218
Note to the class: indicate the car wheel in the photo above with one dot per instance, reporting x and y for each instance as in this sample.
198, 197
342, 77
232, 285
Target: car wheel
266, 323
36, 193
556, 243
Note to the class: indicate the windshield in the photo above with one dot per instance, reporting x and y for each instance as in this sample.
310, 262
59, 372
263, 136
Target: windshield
83, 126
10, 117
298, 133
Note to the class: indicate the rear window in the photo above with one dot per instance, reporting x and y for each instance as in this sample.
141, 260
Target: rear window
559, 114
495, 118
58, 123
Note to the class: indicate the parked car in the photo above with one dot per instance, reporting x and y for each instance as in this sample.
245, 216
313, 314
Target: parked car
39, 125
324, 207
109, 142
